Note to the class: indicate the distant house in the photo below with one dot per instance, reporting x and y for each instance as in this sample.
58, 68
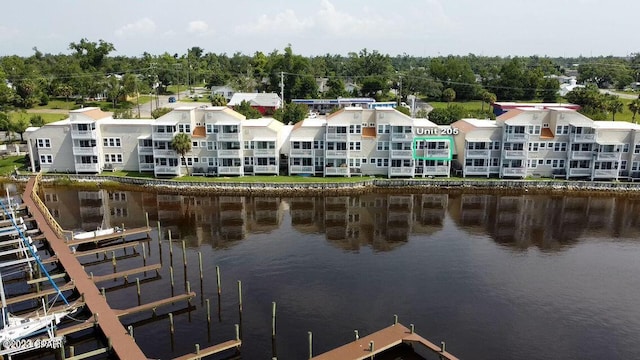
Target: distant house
567, 88
322, 84
265, 103
226, 91
500, 108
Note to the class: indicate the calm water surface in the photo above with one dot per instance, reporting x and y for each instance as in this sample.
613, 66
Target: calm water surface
496, 277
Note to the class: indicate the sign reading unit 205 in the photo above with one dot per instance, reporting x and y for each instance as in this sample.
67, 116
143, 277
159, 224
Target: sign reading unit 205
437, 131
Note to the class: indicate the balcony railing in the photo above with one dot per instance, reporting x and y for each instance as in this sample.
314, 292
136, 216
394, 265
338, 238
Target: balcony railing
85, 134
88, 167
230, 170
336, 170
477, 153
436, 153
584, 137
264, 152
298, 169
145, 167
163, 135
167, 170
436, 170
580, 155
402, 171
265, 169
401, 154
230, 153
229, 136
336, 136
608, 155
165, 152
145, 150
302, 152
579, 172
341, 153
517, 137
515, 154
80, 150
605, 173
514, 171
401, 136
476, 170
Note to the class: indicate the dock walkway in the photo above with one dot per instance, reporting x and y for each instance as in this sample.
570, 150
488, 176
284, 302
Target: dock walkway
124, 345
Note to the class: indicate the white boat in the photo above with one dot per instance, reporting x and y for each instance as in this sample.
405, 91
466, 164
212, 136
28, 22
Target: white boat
96, 233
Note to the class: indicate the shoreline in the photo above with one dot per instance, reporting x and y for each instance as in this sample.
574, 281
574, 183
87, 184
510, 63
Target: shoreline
398, 186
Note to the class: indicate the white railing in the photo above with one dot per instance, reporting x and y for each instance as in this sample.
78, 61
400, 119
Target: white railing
477, 153
436, 153
336, 170
167, 170
164, 152
162, 136
579, 172
584, 137
145, 150
407, 154
302, 169
302, 152
436, 170
88, 167
79, 150
514, 171
494, 169
515, 154
401, 171
229, 136
401, 136
230, 170
580, 155
336, 136
607, 173
608, 155
476, 170
516, 137
265, 168
145, 166
265, 152
230, 153
341, 153
92, 134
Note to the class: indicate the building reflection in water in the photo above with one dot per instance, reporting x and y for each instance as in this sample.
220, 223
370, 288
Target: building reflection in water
381, 222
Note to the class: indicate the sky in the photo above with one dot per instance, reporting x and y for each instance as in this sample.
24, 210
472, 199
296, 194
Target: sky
553, 28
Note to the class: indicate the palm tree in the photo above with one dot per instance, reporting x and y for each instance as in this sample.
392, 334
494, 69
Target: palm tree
218, 100
634, 106
615, 106
488, 97
181, 143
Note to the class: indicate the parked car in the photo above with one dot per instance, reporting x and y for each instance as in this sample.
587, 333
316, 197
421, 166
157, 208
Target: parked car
172, 99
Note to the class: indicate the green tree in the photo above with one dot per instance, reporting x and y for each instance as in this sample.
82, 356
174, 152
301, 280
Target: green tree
36, 120
245, 109
292, 113
614, 105
448, 95
336, 88
19, 125
218, 100
403, 109
158, 112
488, 97
91, 54
181, 143
549, 90
634, 107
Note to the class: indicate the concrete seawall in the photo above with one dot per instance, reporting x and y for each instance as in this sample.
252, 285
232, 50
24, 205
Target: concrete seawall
351, 188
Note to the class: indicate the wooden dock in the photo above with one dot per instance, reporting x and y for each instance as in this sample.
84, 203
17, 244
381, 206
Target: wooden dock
200, 353
380, 341
117, 235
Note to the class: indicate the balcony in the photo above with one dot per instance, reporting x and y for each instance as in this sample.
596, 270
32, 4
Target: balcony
584, 137
88, 168
401, 154
271, 169
235, 153
145, 167
514, 171
608, 156
80, 150
336, 171
336, 136
145, 150
477, 153
336, 153
228, 136
301, 152
515, 154
401, 136
517, 137
436, 153
230, 170
476, 170
165, 152
605, 173
579, 172
402, 171
436, 170
264, 152
298, 169
167, 170
163, 135
84, 134
580, 155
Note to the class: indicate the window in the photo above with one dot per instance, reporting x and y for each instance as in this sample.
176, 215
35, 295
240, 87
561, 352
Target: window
355, 163
318, 144
383, 145
184, 128
562, 129
636, 149
625, 148
354, 145
534, 129
495, 145
495, 161
635, 166
194, 144
533, 146
623, 165
560, 146
111, 142
533, 163
355, 129
46, 159
44, 143
113, 158
383, 129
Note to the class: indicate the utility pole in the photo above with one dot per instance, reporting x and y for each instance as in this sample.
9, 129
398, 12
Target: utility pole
282, 87
400, 92
178, 66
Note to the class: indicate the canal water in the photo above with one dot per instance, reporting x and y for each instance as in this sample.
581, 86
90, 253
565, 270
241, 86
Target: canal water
496, 277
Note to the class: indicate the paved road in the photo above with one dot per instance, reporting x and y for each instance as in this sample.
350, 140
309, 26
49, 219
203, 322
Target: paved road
621, 95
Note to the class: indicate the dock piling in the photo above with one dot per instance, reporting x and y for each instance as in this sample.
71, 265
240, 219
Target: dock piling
443, 346
240, 305
412, 328
273, 319
160, 241
184, 254
144, 255
310, 344
395, 319
171, 278
171, 328
130, 329
200, 265
138, 289
208, 304
357, 335
72, 351
170, 248
188, 288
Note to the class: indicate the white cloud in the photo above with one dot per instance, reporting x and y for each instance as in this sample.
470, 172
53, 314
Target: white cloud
144, 26
198, 27
281, 23
7, 33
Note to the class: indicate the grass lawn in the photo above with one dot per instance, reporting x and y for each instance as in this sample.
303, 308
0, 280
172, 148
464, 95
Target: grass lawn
468, 105
10, 162
272, 179
47, 117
